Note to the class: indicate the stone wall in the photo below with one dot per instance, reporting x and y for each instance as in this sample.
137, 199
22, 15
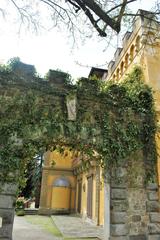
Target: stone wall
134, 205
7, 204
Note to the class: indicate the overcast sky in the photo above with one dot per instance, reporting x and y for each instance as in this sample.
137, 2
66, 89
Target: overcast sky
53, 50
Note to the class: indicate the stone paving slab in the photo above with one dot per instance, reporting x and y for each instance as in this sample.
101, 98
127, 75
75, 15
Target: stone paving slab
23, 230
76, 227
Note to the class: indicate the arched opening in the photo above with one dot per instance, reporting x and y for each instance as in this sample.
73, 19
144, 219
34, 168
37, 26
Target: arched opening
122, 68
132, 50
61, 182
117, 74
42, 122
114, 77
126, 61
138, 44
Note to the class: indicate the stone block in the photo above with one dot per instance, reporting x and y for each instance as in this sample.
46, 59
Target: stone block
7, 215
6, 231
6, 201
138, 237
118, 185
136, 218
118, 194
152, 186
9, 189
45, 211
152, 195
119, 238
154, 237
154, 228
118, 217
153, 206
119, 205
137, 228
119, 230
137, 200
155, 217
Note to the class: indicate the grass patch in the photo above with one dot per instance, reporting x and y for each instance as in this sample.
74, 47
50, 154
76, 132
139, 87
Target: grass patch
46, 223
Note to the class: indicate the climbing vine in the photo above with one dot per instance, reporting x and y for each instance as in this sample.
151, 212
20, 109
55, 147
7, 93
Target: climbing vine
113, 120
127, 121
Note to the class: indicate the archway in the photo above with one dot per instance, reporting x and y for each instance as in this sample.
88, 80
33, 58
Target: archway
111, 123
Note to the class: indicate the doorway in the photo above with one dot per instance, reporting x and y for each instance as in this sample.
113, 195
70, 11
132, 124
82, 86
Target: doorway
89, 196
79, 196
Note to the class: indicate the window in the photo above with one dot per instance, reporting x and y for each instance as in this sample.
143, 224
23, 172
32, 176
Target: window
132, 53
122, 68
117, 74
137, 44
61, 182
126, 60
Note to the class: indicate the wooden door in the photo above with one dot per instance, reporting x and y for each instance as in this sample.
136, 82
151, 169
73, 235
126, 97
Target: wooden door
89, 196
79, 196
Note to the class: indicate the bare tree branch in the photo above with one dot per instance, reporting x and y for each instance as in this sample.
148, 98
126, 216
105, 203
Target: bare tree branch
100, 13
119, 5
121, 12
90, 16
75, 5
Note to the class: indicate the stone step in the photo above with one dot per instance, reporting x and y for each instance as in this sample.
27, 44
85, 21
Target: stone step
29, 211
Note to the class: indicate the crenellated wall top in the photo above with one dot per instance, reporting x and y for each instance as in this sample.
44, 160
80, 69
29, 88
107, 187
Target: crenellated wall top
133, 41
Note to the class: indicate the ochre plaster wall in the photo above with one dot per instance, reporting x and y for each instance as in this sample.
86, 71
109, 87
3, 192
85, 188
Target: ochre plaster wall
97, 196
147, 56
57, 166
61, 198
58, 160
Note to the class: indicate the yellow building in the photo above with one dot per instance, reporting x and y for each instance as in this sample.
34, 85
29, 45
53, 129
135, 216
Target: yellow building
89, 190
141, 47
67, 186
58, 184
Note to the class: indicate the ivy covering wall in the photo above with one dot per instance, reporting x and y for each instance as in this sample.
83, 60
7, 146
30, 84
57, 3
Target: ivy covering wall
114, 120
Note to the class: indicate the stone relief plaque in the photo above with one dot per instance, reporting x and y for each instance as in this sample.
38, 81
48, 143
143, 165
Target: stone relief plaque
71, 107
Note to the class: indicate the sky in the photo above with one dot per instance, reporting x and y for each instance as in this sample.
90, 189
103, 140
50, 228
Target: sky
53, 49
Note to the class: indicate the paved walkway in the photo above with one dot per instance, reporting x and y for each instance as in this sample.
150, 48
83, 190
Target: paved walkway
75, 227
70, 226
24, 230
